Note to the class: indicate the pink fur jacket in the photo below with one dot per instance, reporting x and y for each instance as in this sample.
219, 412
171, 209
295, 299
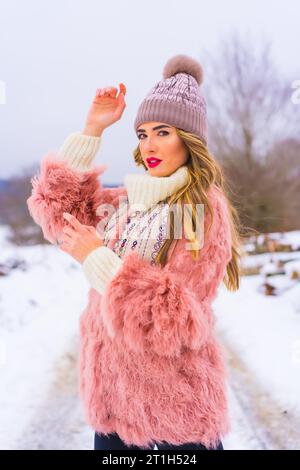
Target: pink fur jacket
151, 367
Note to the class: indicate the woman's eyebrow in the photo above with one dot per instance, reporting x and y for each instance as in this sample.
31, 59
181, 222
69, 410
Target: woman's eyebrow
154, 128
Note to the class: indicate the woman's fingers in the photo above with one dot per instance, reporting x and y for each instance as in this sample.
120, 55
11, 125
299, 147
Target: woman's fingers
70, 232
90, 228
107, 91
73, 221
121, 99
122, 88
111, 91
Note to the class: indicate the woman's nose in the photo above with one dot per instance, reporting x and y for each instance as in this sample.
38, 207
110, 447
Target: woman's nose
149, 145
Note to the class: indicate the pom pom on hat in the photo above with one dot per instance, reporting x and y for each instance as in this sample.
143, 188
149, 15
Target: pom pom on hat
183, 64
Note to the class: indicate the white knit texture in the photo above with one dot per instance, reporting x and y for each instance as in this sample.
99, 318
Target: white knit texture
145, 190
79, 150
100, 266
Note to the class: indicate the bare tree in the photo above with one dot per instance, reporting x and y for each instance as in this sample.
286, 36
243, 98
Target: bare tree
252, 119
14, 211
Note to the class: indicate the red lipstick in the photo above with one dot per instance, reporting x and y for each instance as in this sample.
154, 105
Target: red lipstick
153, 161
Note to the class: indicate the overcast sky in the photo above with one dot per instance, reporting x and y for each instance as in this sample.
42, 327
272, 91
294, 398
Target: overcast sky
54, 54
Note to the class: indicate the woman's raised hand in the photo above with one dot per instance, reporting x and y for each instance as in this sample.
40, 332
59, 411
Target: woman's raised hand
107, 107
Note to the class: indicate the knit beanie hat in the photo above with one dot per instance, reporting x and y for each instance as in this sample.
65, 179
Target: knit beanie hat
177, 100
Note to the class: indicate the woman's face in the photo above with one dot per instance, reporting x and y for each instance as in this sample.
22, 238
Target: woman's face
159, 140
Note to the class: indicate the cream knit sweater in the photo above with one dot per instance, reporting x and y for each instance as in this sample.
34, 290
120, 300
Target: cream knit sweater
144, 230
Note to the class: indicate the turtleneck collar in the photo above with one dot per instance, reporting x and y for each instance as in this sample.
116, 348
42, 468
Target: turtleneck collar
147, 190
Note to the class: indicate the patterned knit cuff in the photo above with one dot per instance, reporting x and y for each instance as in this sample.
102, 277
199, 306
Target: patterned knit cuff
100, 266
79, 150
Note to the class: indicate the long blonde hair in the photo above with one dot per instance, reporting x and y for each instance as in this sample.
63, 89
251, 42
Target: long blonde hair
204, 171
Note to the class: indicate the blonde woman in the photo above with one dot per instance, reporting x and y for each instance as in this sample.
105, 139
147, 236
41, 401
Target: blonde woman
154, 252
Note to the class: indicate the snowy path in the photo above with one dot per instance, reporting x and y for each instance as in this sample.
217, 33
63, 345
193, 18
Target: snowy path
257, 418
59, 422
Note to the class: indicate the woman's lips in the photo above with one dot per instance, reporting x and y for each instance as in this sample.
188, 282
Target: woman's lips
152, 162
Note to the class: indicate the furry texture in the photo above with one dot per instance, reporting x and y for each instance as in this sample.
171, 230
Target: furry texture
182, 63
150, 366
59, 188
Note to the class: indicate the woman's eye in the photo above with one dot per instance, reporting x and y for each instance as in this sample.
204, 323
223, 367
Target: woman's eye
165, 133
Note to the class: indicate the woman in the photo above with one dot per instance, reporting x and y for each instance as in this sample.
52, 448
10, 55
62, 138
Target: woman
151, 368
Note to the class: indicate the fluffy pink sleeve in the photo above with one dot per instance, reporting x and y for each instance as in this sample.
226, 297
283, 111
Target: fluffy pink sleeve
165, 309
59, 188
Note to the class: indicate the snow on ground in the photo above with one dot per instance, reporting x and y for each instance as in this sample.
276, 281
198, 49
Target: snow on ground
293, 267
263, 333
264, 258
39, 313
40, 305
292, 237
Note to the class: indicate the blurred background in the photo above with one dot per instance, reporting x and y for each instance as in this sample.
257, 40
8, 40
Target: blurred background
53, 57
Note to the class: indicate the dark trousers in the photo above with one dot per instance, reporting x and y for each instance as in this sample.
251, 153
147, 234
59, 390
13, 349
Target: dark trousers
114, 442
